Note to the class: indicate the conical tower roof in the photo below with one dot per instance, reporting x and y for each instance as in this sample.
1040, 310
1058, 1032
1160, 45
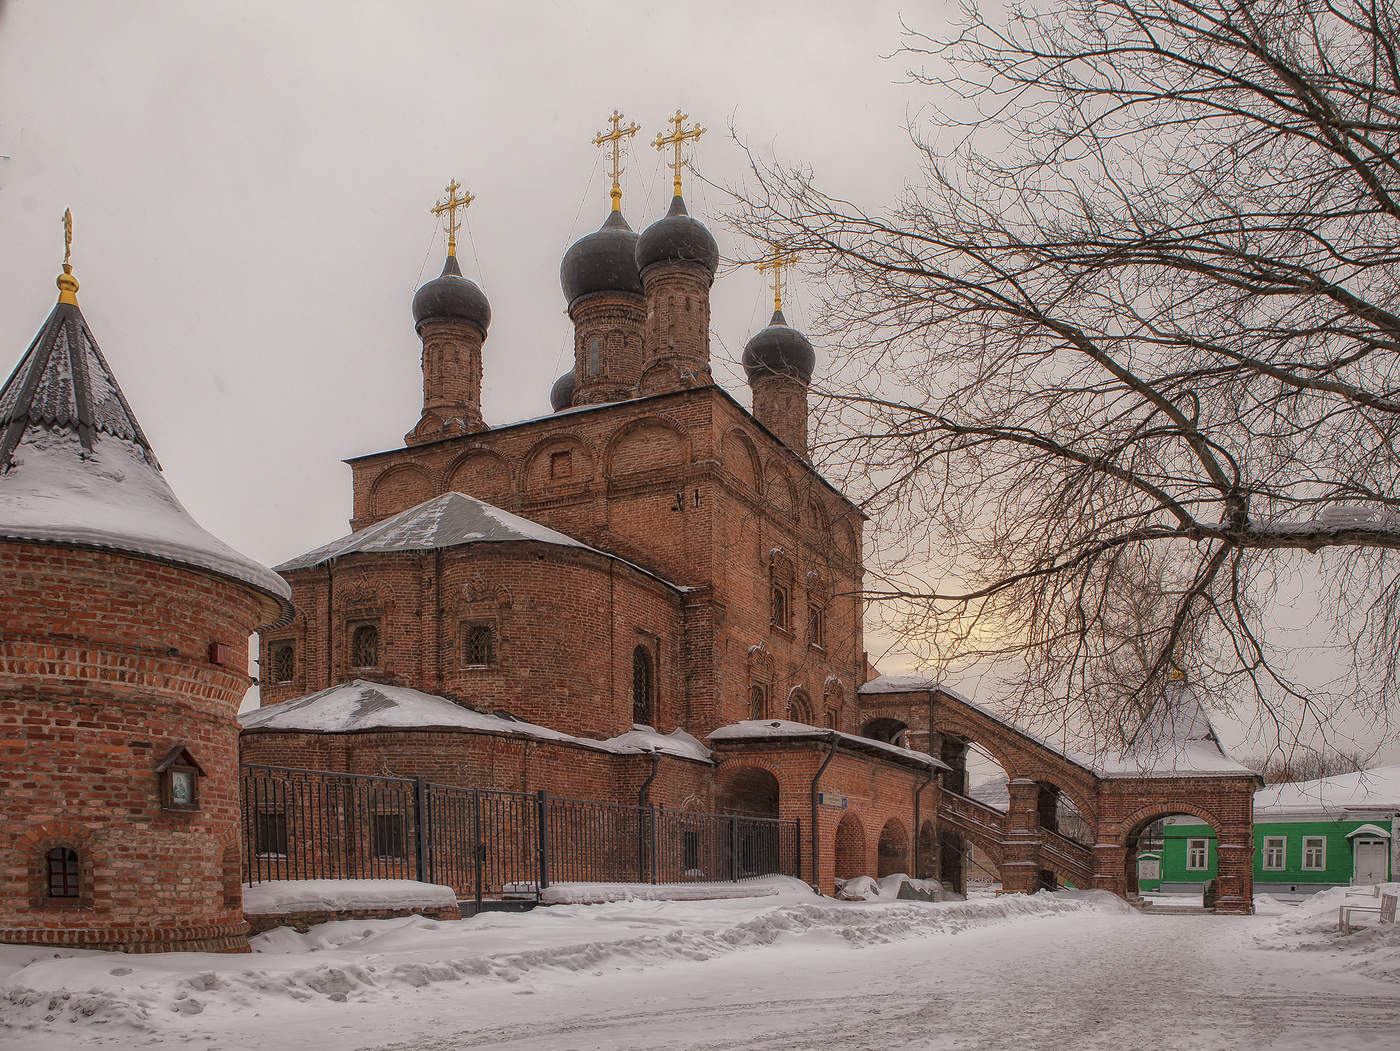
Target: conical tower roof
76, 467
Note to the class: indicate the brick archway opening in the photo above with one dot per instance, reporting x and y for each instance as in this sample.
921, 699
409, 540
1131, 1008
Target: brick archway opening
749, 791
1147, 836
926, 852
891, 731
849, 846
892, 850
951, 852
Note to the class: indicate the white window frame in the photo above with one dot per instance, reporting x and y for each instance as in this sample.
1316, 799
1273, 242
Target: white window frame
1191, 850
1282, 842
1322, 853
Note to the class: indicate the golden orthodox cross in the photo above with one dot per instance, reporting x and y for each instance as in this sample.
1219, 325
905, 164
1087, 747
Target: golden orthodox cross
450, 204
677, 139
777, 261
615, 138
67, 239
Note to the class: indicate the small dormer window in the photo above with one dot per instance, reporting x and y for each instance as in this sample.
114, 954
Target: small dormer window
179, 780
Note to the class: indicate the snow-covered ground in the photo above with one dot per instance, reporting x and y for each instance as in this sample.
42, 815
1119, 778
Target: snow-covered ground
787, 970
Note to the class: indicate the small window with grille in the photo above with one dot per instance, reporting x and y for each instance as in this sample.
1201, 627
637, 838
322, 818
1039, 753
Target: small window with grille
283, 662
758, 701
782, 606
386, 836
270, 833
62, 870
643, 686
479, 645
364, 646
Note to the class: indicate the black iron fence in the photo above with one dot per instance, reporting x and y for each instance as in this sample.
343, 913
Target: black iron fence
490, 844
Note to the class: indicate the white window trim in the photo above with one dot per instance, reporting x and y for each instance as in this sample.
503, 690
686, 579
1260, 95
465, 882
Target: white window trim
1321, 864
1282, 841
1205, 854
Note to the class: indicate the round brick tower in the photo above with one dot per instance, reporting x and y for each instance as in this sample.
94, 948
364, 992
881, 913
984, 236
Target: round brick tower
779, 361
599, 277
677, 257
123, 659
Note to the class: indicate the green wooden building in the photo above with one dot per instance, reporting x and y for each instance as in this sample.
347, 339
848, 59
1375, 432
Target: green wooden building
1308, 836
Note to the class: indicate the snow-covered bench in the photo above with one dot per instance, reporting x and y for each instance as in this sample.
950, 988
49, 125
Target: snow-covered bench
1385, 913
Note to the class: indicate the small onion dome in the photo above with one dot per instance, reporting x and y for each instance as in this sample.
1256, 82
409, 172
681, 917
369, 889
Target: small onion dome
678, 238
451, 297
779, 350
561, 395
604, 261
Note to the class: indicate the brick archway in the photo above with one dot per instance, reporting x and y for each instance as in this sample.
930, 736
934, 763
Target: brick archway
850, 847
892, 849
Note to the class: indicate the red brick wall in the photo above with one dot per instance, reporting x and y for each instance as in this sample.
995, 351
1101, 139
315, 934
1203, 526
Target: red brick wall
676, 337
104, 667
451, 380
780, 404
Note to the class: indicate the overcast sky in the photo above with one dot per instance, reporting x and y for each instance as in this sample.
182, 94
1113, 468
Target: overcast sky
251, 184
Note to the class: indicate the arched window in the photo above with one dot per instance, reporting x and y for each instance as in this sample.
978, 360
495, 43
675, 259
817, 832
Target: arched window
758, 701
799, 708
283, 662
643, 686
480, 647
61, 865
364, 646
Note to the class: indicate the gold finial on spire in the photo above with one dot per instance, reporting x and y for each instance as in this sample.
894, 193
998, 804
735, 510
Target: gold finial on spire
67, 283
615, 138
777, 261
677, 139
450, 204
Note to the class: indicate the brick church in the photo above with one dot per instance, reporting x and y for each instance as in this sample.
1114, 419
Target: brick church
652, 586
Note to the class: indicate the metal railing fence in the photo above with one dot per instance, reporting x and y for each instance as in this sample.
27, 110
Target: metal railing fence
487, 843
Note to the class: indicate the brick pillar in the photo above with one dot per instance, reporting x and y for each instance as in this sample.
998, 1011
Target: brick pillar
1235, 889
607, 346
1020, 861
1109, 871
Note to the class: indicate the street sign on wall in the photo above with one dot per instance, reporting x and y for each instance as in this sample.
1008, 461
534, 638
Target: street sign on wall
831, 799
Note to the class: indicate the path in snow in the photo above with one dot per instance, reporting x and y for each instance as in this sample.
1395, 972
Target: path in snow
1060, 982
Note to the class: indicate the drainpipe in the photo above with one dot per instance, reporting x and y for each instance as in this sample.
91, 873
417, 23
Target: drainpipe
642, 793
917, 793
816, 780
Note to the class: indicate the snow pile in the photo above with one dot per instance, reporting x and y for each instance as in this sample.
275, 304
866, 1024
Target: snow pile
597, 893
361, 705
1375, 789
280, 897
1373, 951
377, 961
887, 888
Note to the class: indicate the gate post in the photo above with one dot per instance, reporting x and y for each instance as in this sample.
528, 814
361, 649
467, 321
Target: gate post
420, 829
733, 849
655, 856
542, 830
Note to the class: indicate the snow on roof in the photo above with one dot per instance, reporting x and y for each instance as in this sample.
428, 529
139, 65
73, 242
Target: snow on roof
1374, 789
1175, 739
77, 468
768, 729
113, 498
449, 520
360, 705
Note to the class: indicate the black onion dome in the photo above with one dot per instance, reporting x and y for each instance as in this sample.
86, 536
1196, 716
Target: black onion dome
677, 238
561, 395
451, 296
779, 350
604, 261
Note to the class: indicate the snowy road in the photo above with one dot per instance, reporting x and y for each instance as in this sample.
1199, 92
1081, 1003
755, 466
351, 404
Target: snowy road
1128, 981
786, 972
